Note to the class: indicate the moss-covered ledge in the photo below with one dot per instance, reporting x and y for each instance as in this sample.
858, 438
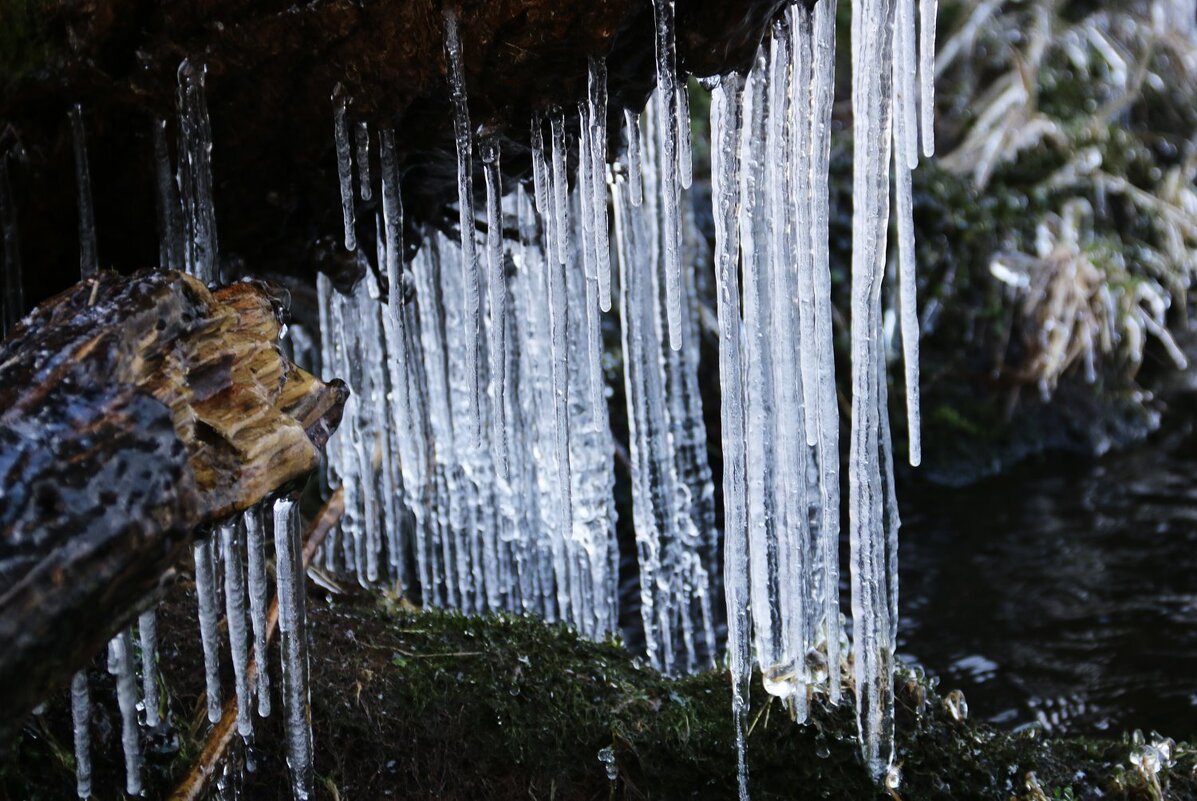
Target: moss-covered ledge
434, 705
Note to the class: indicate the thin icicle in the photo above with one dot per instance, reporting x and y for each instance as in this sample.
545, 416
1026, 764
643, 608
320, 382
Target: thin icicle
288, 547
496, 284
471, 281
170, 236
147, 633
81, 720
200, 247
234, 603
907, 290
209, 619
88, 260
685, 149
635, 157
259, 592
928, 11
560, 198
12, 300
362, 136
597, 99
344, 166
668, 123
725, 193
120, 665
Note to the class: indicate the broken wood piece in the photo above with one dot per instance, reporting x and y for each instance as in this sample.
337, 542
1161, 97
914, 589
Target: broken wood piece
132, 411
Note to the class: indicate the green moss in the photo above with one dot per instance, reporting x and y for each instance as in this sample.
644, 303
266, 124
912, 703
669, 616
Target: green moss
424, 705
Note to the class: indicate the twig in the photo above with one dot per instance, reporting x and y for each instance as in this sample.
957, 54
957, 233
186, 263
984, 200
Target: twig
195, 784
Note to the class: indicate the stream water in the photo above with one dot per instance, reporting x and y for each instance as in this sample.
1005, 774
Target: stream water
1063, 592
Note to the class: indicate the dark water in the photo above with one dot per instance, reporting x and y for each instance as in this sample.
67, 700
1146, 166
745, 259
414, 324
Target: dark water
1064, 592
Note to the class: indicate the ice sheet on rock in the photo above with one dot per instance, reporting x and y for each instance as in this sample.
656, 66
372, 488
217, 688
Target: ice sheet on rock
88, 259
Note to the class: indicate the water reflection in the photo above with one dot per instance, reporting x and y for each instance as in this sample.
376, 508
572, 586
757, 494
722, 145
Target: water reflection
1064, 592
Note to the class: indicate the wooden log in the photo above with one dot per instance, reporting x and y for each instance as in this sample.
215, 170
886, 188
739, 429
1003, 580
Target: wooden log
132, 411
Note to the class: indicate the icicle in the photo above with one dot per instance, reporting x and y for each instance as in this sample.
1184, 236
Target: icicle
465, 208
12, 303
560, 185
209, 618
824, 399
668, 127
88, 260
344, 166
928, 10
488, 149
362, 135
195, 175
81, 720
905, 86
147, 632
685, 154
725, 193
597, 99
170, 237
559, 367
259, 591
234, 604
873, 647
904, 136
635, 159
289, 568
120, 665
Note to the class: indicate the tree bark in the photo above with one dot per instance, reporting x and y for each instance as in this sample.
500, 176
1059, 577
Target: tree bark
132, 411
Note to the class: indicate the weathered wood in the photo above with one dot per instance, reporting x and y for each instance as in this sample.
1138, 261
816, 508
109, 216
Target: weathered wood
132, 411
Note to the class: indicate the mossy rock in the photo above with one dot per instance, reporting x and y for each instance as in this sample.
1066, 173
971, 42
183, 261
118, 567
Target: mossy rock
435, 705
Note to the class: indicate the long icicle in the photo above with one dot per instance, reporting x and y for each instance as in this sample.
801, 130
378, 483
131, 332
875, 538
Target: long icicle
873, 648
465, 210
232, 546
905, 142
170, 235
725, 192
288, 555
120, 665
259, 591
496, 285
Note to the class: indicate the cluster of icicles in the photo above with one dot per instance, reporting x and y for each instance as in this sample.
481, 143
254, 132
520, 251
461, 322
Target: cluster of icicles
476, 455
229, 562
